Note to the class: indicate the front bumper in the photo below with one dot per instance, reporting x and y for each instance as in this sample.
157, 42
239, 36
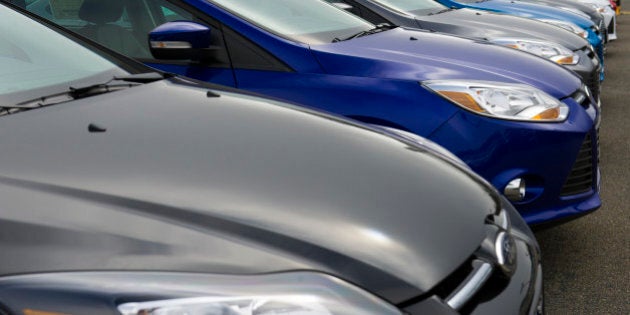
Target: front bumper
522, 293
545, 155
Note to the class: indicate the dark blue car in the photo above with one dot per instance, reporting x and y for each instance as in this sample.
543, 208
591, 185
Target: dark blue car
524, 123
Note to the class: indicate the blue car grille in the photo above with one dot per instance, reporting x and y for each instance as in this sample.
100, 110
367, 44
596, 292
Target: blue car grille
581, 178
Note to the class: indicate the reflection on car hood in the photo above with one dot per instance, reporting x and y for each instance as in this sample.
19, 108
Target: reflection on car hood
182, 181
488, 25
418, 55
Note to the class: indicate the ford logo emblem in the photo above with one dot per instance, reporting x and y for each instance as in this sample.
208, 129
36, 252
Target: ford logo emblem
505, 248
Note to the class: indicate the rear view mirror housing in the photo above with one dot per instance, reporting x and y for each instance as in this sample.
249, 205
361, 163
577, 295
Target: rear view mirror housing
181, 40
343, 6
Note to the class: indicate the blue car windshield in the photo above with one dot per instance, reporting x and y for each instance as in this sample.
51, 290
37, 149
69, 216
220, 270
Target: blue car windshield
306, 21
415, 7
36, 59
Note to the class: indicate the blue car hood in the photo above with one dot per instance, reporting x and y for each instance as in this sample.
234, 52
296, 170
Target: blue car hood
405, 54
532, 11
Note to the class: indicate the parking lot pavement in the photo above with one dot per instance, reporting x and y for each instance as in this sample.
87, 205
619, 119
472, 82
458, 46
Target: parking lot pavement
587, 261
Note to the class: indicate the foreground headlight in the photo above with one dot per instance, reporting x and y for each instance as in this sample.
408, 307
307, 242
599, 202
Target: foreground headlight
160, 293
571, 27
501, 100
548, 50
286, 294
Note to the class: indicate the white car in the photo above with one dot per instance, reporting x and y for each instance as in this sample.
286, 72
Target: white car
610, 18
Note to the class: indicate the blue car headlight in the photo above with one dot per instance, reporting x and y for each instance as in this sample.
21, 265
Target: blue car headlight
571, 27
548, 50
501, 100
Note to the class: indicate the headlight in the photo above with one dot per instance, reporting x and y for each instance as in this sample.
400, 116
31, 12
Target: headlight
160, 293
548, 50
287, 294
571, 27
501, 100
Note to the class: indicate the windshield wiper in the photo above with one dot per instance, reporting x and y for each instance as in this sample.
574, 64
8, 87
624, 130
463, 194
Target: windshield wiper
75, 93
441, 11
379, 28
146, 77
101, 88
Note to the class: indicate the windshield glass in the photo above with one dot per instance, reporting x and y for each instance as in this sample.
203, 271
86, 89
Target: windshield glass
307, 21
35, 59
415, 7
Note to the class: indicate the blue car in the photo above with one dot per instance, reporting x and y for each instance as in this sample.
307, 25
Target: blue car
523, 122
580, 24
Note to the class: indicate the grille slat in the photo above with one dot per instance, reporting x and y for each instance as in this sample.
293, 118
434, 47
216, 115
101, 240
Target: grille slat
583, 169
592, 79
580, 180
584, 158
579, 183
593, 84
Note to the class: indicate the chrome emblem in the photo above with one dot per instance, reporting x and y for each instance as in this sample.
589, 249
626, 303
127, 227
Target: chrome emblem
505, 248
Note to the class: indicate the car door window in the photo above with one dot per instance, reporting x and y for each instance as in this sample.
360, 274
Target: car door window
104, 20
170, 15
120, 25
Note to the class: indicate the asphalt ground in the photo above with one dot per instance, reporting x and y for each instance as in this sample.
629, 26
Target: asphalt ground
587, 261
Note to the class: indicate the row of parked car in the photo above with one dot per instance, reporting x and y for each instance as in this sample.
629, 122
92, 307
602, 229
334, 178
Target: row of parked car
312, 157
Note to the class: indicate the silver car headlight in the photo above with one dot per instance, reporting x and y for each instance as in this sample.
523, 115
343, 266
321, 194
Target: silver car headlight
501, 100
300, 293
545, 49
178, 293
569, 26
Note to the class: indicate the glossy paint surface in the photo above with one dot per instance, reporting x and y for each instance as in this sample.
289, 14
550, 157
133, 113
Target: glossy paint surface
533, 11
238, 177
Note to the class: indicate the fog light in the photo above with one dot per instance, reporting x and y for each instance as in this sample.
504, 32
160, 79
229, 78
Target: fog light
515, 190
